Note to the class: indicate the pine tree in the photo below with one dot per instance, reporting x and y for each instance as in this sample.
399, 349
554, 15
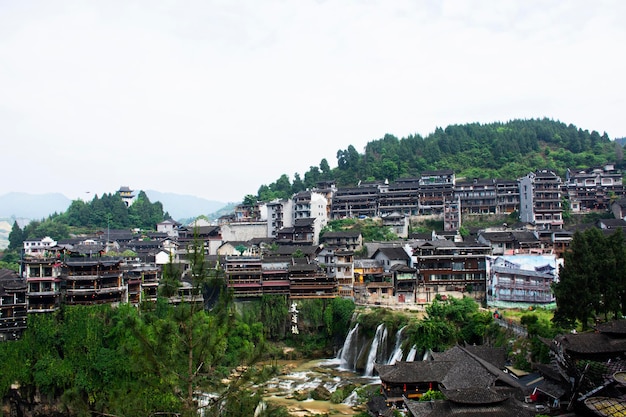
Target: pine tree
16, 237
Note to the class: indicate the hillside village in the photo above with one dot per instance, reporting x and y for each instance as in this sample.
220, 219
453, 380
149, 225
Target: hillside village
278, 248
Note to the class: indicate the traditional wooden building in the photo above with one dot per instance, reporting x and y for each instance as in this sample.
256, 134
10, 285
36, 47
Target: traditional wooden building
594, 188
477, 196
142, 282
244, 275
43, 277
401, 197
452, 265
308, 280
343, 239
354, 202
472, 381
435, 188
13, 305
93, 280
339, 263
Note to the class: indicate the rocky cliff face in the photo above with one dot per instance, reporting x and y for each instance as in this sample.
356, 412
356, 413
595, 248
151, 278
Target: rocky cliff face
16, 405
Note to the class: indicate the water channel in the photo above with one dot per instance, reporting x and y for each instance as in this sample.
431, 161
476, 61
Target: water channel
354, 365
303, 377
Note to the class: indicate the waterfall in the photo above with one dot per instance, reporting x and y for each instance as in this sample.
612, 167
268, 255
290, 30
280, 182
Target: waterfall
371, 358
381, 353
410, 357
396, 355
352, 399
346, 355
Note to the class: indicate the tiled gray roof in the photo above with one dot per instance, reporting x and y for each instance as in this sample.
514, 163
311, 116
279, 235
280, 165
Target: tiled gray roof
304, 222
414, 372
592, 343
494, 355
474, 395
506, 408
340, 234
395, 253
613, 326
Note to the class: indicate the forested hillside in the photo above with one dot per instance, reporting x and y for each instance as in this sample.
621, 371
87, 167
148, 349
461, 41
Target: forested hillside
496, 150
107, 211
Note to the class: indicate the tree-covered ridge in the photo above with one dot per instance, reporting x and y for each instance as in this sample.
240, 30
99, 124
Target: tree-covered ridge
108, 211
496, 150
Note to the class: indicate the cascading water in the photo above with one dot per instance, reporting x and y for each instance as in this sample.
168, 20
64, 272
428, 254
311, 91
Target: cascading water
396, 355
381, 352
410, 357
347, 355
371, 357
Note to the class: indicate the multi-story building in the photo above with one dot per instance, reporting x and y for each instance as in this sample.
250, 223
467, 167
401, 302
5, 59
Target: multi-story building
344, 239
355, 202
507, 196
594, 188
401, 196
508, 242
509, 282
396, 222
404, 283
435, 188
93, 280
339, 263
43, 277
39, 247
250, 212
244, 275
367, 270
540, 199
310, 205
308, 280
275, 275
13, 310
477, 196
210, 236
452, 266
452, 215
168, 226
279, 215
142, 282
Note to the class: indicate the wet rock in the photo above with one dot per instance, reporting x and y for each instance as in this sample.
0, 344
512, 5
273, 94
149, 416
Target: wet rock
320, 393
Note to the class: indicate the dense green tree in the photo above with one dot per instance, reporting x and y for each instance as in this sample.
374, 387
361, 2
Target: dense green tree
184, 340
16, 237
298, 184
312, 177
145, 214
338, 316
496, 150
592, 279
275, 314
325, 168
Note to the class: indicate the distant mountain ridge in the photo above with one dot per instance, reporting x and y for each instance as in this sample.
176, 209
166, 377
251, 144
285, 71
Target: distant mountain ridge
32, 206
182, 206
40, 206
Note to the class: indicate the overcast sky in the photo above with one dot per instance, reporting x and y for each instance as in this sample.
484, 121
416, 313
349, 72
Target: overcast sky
215, 98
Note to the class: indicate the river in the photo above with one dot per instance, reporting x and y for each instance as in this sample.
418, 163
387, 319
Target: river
302, 377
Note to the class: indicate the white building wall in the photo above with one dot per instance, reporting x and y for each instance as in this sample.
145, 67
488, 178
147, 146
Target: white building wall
243, 231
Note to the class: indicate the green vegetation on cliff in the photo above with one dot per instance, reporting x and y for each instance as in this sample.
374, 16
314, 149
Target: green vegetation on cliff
496, 150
